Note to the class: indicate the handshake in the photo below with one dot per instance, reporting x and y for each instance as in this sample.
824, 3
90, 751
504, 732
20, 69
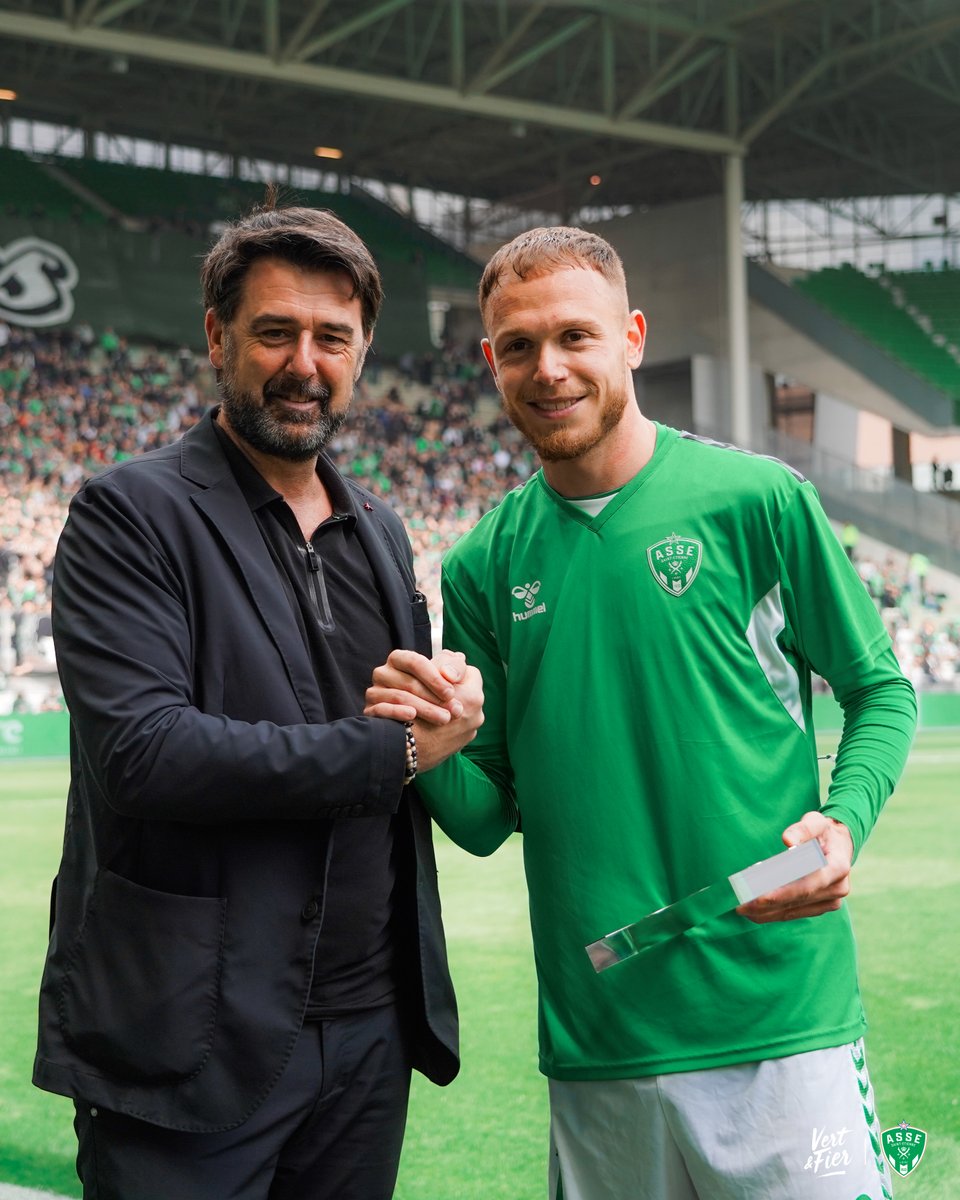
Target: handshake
442, 697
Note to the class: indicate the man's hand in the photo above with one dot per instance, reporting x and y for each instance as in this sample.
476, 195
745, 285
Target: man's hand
817, 893
409, 685
443, 697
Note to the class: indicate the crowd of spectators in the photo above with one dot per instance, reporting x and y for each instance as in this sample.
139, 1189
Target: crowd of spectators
922, 623
427, 435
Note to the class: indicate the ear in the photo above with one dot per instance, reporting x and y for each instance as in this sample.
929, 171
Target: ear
488, 355
214, 331
636, 338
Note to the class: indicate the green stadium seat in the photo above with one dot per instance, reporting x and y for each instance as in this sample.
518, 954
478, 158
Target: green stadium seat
195, 202
877, 308
27, 190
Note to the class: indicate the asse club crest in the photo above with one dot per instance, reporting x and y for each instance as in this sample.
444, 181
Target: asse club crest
903, 1147
675, 561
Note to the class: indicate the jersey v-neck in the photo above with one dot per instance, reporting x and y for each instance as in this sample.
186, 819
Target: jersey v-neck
666, 439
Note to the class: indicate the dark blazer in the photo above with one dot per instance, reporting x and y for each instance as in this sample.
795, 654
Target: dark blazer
190, 893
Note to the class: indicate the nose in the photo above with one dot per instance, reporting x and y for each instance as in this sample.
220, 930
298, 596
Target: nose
550, 364
302, 364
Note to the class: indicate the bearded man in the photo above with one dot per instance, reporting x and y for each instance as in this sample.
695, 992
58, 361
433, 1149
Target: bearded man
246, 956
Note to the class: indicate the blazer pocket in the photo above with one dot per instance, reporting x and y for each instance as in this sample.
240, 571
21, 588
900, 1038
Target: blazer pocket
142, 981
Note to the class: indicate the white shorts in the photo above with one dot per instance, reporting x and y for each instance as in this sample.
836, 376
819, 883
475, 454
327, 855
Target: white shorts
797, 1128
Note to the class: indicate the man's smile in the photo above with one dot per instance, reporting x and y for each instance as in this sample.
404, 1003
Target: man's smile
556, 406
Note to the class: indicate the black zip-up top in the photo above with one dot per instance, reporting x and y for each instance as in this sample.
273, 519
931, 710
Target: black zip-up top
335, 602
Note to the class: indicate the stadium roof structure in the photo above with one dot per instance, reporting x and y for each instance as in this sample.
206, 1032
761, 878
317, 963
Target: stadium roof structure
519, 102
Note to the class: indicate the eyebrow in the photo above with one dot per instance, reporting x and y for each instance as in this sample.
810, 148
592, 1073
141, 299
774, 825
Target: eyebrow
266, 319
506, 336
586, 324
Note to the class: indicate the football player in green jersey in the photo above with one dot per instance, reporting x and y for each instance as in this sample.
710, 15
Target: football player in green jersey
647, 612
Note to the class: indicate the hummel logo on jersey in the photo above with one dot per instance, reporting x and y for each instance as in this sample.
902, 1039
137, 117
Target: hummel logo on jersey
527, 592
675, 561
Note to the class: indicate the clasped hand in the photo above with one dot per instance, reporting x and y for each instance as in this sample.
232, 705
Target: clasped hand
442, 696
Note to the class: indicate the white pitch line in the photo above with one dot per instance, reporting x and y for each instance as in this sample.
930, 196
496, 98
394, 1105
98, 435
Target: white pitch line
10, 1191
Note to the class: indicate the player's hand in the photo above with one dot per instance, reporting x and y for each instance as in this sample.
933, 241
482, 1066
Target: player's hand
820, 892
443, 697
410, 686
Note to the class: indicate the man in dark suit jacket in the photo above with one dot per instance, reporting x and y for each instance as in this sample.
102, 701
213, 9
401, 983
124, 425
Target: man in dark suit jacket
246, 957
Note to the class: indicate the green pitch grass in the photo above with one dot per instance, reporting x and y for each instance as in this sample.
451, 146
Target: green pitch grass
485, 1137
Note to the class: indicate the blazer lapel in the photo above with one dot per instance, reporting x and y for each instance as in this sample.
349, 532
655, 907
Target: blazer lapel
396, 591
223, 505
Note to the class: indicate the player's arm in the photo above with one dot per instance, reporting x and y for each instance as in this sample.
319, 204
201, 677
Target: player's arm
469, 794
841, 636
843, 639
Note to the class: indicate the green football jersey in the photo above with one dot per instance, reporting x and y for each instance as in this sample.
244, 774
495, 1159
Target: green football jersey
647, 674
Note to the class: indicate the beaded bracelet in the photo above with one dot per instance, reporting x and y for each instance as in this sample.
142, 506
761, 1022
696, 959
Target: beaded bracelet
411, 772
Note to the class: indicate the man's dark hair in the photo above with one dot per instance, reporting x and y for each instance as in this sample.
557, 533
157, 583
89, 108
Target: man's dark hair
310, 238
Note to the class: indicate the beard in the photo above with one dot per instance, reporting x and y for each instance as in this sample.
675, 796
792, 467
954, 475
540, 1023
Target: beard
561, 445
273, 428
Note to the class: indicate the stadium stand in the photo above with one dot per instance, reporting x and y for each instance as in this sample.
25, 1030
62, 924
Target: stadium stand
920, 607
182, 201
30, 191
427, 436
877, 309
110, 219
932, 298
171, 199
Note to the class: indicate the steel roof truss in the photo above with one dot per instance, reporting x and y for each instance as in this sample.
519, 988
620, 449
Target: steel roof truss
420, 54
303, 30
361, 21
666, 78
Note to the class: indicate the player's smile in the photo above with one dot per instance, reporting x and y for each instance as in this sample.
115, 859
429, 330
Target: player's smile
561, 348
554, 408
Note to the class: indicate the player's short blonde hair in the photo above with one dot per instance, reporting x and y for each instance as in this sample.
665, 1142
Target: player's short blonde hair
551, 248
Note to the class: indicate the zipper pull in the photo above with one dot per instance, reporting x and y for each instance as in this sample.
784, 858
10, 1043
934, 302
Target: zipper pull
312, 561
